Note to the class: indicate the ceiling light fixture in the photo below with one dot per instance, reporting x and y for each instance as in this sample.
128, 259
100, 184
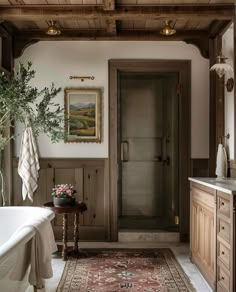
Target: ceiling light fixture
52, 29
221, 68
167, 29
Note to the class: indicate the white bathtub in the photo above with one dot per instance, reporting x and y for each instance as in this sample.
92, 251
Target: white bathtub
13, 252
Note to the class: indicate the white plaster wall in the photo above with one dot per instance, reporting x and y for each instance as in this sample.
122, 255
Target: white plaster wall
228, 51
56, 61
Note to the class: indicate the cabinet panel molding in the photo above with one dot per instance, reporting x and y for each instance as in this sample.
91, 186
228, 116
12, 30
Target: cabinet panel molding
203, 231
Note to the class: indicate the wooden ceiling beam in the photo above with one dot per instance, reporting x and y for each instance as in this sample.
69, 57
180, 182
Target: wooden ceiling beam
20, 44
111, 26
200, 39
219, 27
225, 12
108, 5
100, 34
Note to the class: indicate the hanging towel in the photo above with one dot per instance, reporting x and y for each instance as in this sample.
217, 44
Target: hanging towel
221, 162
28, 167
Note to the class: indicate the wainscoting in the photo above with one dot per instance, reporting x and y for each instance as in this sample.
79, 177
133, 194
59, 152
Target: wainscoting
199, 167
232, 170
88, 176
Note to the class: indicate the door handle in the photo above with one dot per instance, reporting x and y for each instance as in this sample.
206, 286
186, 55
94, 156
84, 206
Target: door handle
124, 154
158, 158
167, 160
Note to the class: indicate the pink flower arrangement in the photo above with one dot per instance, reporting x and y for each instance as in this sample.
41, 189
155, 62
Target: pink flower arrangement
63, 191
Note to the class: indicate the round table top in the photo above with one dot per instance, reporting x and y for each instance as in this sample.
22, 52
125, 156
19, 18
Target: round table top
78, 207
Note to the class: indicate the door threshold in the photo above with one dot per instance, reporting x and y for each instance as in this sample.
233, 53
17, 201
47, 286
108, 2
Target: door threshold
148, 230
148, 236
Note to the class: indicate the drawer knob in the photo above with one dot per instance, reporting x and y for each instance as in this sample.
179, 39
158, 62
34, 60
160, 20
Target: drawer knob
223, 252
223, 228
222, 203
222, 278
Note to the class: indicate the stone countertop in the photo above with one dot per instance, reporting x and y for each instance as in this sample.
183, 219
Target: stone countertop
226, 185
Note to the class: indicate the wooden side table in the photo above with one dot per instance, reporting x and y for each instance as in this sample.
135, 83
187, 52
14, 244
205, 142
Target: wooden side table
76, 209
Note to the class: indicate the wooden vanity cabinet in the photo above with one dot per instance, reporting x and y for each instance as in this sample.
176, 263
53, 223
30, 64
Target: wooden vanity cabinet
212, 236
202, 231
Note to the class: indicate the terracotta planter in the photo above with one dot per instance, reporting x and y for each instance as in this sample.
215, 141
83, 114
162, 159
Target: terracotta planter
63, 202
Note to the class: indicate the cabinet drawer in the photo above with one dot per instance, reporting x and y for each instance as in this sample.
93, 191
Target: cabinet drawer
223, 205
223, 279
223, 254
223, 229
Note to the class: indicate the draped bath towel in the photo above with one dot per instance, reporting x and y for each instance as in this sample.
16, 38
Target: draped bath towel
221, 162
37, 253
43, 245
28, 167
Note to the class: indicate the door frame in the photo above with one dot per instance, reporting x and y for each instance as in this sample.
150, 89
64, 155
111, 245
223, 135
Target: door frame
183, 68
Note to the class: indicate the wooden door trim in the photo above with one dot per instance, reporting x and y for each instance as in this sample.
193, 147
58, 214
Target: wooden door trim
183, 67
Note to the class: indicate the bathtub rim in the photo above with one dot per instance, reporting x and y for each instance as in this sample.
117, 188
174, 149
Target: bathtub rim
25, 235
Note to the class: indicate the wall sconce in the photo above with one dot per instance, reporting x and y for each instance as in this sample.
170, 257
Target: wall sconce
221, 67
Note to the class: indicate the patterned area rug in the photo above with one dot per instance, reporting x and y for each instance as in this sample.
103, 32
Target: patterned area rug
134, 270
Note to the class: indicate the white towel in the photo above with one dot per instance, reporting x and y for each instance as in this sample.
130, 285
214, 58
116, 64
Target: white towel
37, 253
28, 167
43, 245
221, 162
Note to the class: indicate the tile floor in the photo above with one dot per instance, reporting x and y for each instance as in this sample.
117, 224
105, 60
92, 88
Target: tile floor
180, 250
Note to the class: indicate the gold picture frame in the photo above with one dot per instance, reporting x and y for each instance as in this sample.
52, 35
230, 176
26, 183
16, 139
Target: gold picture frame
82, 115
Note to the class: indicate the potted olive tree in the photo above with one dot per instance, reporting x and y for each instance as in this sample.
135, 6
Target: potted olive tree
21, 102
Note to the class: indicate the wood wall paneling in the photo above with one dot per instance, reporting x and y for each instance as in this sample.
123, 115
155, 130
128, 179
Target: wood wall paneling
88, 177
199, 167
232, 169
94, 196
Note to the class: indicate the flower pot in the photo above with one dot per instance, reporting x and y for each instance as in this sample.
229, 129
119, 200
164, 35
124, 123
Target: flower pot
63, 202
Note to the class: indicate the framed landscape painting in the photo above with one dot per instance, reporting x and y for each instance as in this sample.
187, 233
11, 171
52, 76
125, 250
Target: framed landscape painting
83, 115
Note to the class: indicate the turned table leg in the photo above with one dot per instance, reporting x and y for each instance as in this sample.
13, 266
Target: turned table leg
65, 226
76, 232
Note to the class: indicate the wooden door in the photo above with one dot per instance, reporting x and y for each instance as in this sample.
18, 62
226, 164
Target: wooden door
183, 69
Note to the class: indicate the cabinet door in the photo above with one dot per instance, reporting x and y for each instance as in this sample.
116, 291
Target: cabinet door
194, 232
207, 240
203, 232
